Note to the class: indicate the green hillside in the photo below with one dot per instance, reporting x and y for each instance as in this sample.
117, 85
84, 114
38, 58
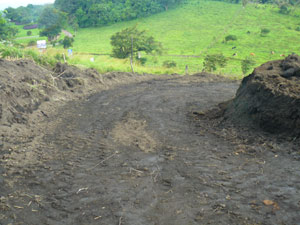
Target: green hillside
199, 28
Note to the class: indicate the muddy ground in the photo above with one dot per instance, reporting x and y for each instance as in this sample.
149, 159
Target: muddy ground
147, 153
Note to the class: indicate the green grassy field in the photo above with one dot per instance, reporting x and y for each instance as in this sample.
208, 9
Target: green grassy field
198, 28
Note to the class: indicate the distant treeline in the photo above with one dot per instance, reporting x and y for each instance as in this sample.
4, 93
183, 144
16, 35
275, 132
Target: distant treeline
277, 2
24, 15
101, 12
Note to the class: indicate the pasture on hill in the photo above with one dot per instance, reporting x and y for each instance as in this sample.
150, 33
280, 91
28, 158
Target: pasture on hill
193, 30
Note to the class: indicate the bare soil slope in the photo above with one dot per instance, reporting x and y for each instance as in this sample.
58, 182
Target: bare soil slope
270, 97
139, 151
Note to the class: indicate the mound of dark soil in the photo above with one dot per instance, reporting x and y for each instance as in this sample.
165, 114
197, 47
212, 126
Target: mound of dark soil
25, 85
270, 97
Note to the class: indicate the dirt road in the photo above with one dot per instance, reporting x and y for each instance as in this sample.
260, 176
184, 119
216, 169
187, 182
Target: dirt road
139, 155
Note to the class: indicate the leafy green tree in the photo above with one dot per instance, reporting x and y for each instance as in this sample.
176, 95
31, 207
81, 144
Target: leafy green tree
67, 42
101, 12
247, 64
52, 20
51, 32
167, 3
6, 32
52, 17
132, 40
211, 62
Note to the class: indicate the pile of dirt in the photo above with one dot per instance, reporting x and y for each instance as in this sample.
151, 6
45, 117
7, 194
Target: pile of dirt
25, 85
270, 98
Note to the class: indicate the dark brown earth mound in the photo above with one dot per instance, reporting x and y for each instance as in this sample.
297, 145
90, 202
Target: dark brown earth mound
25, 85
270, 97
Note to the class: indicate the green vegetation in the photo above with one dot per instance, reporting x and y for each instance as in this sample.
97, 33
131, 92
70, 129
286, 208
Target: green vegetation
189, 33
230, 38
17, 53
169, 64
24, 15
6, 31
264, 32
247, 64
102, 12
211, 62
67, 42
131, 41
199, 30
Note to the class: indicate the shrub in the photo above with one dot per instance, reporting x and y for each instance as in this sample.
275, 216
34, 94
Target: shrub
142, 60
246, 64
298, 28
169, 64
212, 61
31, 43
230, 38
264, 32
11, 52
284, 10
67, 42
29, 33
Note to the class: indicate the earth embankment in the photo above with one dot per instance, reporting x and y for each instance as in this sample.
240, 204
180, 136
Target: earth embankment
269, 98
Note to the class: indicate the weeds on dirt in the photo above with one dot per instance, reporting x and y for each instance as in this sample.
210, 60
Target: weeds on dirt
12, 53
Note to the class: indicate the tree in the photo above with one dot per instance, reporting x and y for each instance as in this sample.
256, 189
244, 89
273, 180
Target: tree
246, 64
212, 61
132, 40
6, 32
167, 3
52, 20
52, 17
51, 32
68, 42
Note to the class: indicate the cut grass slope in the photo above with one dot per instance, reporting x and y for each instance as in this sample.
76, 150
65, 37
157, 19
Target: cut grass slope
198, 28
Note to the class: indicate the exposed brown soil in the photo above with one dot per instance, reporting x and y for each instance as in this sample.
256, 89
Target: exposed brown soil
270, 98
127, 149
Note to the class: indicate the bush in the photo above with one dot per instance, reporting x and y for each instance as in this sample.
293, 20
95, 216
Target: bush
142, 60
298, 28
246, 64
31, 43
11, 52
67, 42
284, 10
212, 61
230, 38
169, 64
29, 33
264, 32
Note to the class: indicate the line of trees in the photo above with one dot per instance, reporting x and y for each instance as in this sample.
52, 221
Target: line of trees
101, 12
24, 15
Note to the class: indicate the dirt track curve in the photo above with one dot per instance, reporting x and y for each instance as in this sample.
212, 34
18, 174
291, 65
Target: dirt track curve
138, 154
